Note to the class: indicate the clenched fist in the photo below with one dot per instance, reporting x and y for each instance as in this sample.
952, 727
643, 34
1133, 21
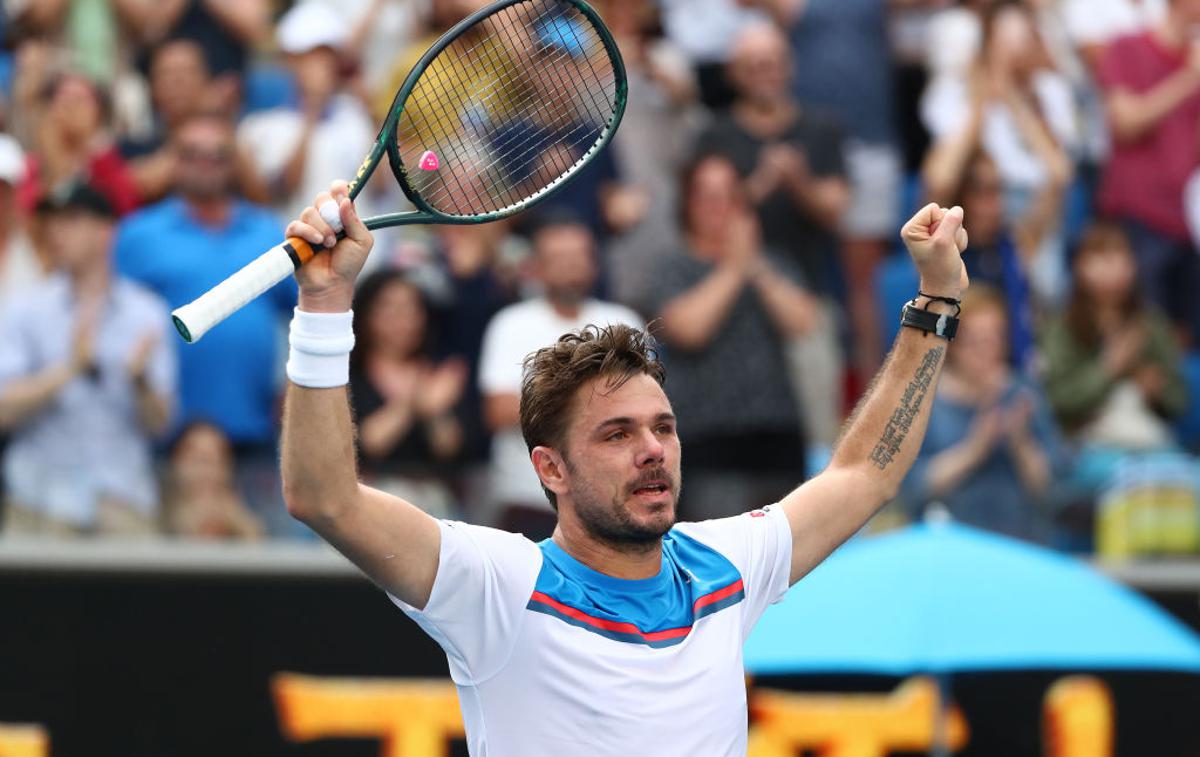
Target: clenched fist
936, 239
327, 281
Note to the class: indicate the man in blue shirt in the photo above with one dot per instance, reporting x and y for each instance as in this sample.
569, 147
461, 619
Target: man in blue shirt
185, 245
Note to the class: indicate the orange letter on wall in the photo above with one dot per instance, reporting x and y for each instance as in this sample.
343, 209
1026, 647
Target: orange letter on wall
413, 718
852, 725
1077, 718
24, 741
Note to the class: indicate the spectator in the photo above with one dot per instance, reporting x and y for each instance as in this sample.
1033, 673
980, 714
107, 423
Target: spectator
564, 258
227, 30
728, 306
298, 147
473, 287
842, 64
199, 495
229, 376
1021, 115
789, 157
86, 383
1079, 32
179, 89
705, 30
408, 405
1151, 82
1002, 252
991, 450
71, 142
1112, 367
654, 141
596, 194
20, 267
1022, 109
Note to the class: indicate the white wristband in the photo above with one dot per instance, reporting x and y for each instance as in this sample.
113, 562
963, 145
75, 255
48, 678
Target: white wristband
319, 357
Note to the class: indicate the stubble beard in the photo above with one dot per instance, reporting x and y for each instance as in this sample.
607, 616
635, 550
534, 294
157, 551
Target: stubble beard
611, 523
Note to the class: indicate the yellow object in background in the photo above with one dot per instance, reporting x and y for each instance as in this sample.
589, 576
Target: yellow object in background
420, 717
1151, 509
852, 725
1077, 718
24, 741
412, 717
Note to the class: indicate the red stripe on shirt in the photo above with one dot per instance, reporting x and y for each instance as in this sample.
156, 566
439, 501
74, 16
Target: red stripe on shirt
718, 595
610, 625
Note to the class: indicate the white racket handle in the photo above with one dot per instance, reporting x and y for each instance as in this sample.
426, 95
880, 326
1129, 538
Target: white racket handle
273, 266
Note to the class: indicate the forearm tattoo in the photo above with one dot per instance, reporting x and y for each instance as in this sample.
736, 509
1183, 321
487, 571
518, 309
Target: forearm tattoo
903, 416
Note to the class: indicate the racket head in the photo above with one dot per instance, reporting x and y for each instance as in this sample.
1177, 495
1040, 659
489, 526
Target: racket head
511, 103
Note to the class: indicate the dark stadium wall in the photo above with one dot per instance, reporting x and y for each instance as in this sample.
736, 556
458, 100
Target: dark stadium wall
136, 666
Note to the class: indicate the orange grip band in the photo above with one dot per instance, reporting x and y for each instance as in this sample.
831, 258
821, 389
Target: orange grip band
299, 251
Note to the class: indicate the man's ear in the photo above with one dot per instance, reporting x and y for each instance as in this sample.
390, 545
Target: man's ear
550, 468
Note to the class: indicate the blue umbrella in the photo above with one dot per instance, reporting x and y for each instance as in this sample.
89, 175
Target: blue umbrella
941, 598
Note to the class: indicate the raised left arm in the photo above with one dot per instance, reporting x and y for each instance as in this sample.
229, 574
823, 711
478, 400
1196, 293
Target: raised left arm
882, 437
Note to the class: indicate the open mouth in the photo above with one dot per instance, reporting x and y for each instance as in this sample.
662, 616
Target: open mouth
654, 488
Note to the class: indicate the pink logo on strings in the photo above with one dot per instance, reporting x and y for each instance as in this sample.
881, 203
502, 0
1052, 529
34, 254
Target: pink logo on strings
429, 161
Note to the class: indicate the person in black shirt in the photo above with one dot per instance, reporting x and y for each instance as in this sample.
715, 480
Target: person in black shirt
407, 403
728, 305
790, 157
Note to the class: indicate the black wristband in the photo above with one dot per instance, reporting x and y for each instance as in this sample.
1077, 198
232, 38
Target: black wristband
938, 324
935, 298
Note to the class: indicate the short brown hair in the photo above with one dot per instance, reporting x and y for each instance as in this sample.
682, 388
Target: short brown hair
553, 374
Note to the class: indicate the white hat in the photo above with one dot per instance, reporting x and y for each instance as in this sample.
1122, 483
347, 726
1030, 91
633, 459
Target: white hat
12, 160
309, 25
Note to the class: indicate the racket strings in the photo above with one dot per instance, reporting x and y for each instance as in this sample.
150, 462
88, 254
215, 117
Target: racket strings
508, 133
519, 163
510, 110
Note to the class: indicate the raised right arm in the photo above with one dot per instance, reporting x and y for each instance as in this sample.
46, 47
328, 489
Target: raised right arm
392, 541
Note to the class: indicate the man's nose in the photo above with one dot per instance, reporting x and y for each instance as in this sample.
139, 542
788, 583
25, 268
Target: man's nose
651, 451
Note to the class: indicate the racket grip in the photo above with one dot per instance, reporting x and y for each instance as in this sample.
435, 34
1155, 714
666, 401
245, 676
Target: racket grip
193, 320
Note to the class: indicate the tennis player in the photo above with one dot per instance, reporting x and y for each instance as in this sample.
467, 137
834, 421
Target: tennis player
622, 634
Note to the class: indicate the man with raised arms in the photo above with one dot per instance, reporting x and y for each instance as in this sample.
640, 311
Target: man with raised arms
621, 634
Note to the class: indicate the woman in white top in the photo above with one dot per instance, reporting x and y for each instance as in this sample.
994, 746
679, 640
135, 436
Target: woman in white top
1021, 106
1021, 113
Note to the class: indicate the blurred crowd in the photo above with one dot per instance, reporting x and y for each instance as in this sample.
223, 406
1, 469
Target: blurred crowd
748, 210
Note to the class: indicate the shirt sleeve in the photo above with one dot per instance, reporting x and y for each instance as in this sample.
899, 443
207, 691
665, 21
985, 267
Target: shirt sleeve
759, 544
484, 580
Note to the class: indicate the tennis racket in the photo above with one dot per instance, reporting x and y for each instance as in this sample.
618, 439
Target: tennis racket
503, 110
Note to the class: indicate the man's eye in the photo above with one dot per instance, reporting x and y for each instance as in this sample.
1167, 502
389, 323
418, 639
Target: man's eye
666, 429
616, 436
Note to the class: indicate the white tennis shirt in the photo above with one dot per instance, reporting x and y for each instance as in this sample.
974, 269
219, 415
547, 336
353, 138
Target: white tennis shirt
553, 658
